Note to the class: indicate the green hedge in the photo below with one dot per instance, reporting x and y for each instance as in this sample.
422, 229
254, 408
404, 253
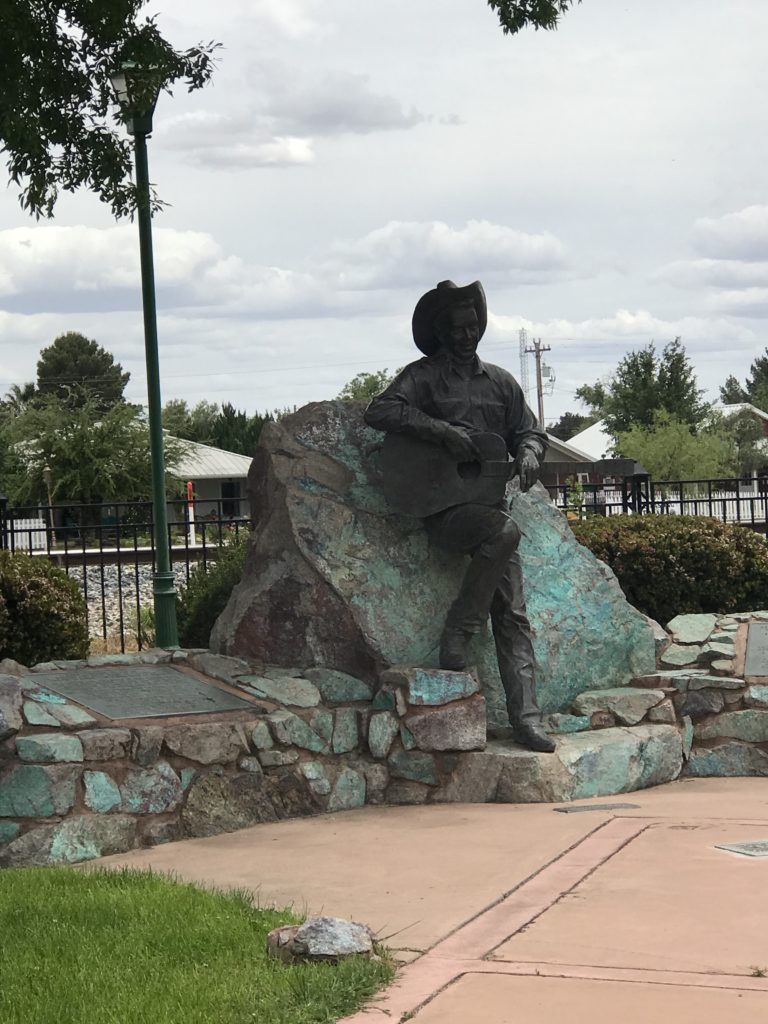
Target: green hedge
202, 601
670, 565
42, 611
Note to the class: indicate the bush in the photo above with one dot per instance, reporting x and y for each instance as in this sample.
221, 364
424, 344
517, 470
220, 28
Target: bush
204, 598
670, 565
42, 612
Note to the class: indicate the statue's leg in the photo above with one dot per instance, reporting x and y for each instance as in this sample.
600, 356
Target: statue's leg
491, 537
517, 665
514, 646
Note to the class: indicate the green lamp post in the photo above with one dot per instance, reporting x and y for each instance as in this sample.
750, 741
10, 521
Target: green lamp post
137, 90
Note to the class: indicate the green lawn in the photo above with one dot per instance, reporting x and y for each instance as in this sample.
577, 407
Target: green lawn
99, 947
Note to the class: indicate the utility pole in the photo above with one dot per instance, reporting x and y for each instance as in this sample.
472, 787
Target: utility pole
537, 350
525, 378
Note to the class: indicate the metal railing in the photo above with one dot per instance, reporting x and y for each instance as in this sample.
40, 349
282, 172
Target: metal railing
728, 499
109, 550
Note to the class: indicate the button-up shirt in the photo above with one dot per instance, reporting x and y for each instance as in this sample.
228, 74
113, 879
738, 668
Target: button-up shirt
431, 392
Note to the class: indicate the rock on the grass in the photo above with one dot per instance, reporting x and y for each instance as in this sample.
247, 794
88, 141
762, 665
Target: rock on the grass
321, 939
333, 578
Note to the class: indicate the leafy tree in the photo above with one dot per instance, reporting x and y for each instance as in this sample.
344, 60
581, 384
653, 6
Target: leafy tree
514, 15
645, 384
570, 423
365, 386
77, 370
94, 456
195, 424
732, 393
669, 451
16, 400
59, 125
236, 431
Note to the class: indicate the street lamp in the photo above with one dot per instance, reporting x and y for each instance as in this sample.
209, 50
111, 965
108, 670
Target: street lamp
47, 475
137, 90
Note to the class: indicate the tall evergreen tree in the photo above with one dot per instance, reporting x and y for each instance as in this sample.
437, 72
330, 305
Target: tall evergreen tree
75, 368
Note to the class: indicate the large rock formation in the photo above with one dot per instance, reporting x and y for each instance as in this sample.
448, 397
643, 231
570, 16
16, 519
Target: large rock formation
334, 579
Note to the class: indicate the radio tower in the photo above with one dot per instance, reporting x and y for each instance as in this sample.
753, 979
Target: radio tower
525, 377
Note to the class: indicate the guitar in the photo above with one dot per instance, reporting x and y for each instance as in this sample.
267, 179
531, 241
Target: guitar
421, 478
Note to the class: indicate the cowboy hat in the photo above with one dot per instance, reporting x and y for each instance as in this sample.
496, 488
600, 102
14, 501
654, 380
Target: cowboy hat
446, 296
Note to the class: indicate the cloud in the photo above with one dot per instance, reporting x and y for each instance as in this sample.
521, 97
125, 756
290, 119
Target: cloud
736, 236
410, 253
45, 269
734, 267
286, 110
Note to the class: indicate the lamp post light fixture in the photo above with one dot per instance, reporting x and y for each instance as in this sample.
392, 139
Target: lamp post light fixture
137, 90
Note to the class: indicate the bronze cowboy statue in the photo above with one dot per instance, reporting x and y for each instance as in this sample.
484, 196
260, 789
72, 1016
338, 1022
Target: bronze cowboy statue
452, 422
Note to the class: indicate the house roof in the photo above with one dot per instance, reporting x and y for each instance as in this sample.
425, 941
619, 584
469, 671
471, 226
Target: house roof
594, 440
737, 407
569, 452
203, 462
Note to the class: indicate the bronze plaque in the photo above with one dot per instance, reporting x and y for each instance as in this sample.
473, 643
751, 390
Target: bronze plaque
143, 691
756, 848
756, 663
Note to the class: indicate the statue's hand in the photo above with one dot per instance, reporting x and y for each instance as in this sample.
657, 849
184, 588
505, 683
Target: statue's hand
460, 445
527, 468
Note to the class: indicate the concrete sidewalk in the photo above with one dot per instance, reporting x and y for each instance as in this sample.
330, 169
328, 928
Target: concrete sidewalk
516, 913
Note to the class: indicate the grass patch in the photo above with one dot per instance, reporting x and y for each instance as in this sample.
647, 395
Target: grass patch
130, 947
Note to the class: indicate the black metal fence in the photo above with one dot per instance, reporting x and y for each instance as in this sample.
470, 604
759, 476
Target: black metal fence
730, 500
109, 549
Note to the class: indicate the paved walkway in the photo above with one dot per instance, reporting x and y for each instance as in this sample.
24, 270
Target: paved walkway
516, 913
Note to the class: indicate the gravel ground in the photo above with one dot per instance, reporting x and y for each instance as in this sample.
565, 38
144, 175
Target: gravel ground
116, 589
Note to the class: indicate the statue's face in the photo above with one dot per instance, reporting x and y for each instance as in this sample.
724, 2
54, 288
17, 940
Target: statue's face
460, 334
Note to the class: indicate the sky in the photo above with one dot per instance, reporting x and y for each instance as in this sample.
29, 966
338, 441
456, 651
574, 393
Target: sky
606, 182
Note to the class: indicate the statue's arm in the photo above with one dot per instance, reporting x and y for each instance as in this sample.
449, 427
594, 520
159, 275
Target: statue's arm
525, 441
396, 411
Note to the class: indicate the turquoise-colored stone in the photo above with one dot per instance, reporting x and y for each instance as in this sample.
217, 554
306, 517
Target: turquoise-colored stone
431, 686
34, 791
757, 696
151, 790
413, 765
384, 701
382, 729
71, 716
313, 770
101, 792
187, 776
567, 723
8, 831
87, 836
36, 714
348, 791
321, 722
49, 747
298, 693
345, 732
750, 725
338, 687
294, 731
407, 738
679, 655
687, 734
261, 737
731, 759
46, 697
692, 628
